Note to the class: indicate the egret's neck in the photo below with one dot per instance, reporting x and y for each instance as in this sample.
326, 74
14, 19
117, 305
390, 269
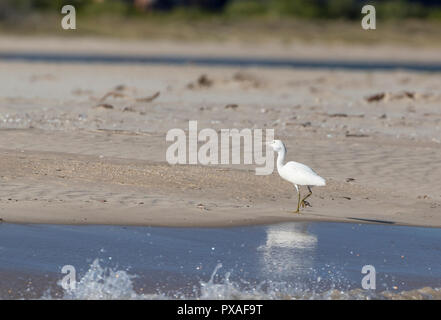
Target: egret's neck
280, 158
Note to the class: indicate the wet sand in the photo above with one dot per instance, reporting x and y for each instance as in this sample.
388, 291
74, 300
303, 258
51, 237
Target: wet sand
67, 158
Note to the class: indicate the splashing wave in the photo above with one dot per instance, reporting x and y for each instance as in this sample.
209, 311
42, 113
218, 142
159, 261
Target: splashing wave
105, 283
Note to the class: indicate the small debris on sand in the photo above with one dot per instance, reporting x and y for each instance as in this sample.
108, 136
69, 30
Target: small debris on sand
407, 94
129, 109
350, 179
104, 106
231, 106
390, 96
356, 135
306, 124
338, 115
149, 99
376, 97
120, 87
113, 94
202, 81
343, 115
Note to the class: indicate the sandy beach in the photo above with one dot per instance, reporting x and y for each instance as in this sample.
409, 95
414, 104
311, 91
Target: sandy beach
72, 153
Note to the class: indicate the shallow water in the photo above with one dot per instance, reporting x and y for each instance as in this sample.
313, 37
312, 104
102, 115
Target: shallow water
219, 61
284, 261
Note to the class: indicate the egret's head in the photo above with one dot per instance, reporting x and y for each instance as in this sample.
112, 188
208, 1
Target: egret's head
277, 145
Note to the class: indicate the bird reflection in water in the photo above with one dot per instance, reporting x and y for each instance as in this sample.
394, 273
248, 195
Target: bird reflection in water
288, 251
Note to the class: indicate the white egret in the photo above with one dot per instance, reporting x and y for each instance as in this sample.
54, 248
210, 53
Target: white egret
296, 173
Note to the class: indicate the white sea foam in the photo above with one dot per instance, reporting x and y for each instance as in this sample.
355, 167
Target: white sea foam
105, 283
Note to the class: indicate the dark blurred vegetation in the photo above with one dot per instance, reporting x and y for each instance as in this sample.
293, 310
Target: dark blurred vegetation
308, 9
414, 22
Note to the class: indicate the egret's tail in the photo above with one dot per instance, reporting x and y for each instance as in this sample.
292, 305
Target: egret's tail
320, 182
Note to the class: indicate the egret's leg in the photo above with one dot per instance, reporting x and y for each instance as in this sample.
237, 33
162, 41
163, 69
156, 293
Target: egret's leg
303, 202
298, 202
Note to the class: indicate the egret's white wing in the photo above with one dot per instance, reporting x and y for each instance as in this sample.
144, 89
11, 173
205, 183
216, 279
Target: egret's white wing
301, 174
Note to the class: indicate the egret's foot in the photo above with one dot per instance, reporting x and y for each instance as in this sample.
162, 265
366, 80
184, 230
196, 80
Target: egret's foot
297, 211
305, 204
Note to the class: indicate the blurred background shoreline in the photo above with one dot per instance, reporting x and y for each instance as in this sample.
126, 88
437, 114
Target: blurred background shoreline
411, 22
